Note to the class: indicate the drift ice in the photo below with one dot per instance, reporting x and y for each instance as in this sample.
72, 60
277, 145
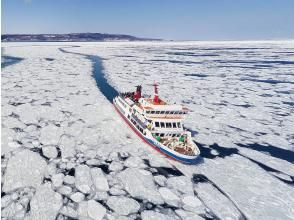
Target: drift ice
158, 123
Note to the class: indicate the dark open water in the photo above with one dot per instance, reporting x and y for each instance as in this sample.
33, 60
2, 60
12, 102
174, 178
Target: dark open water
98, 73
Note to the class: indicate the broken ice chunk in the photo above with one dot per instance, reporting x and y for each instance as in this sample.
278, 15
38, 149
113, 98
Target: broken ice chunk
123, 205
152, 215
50, 135
169, 197
140, 184
91, 209
26, 168
49, 151
45, 204
99, 179
180, 183
83, 179
77, 197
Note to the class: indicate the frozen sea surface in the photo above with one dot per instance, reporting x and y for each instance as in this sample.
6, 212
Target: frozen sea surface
58, 121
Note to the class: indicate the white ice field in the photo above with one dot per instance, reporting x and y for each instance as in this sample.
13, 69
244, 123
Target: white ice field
66, 153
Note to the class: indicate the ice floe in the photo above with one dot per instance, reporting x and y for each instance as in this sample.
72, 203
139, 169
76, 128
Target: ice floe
123, 205
83, 179
140, 184
169, 197
91, 209
99, 180
152, 215
50, 151
24, 169
77, 197
45, 204
57, 179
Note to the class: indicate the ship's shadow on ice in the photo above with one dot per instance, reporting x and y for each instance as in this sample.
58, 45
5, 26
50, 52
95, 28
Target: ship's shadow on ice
9, 60
215, 151
200, 178
173, 171
273, 151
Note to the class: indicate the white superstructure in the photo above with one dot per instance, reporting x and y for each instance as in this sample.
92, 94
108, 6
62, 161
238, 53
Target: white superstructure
158, 123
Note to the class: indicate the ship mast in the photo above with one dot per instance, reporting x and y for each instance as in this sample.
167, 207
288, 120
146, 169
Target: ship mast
156, 98
138, 93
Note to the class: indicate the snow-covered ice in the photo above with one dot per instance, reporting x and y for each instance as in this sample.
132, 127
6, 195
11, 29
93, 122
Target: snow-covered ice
169, 197
24, 169
91, 209
99, 180
151, 215
44, 198
123, 205
83, 179
77, 197
140, 184
63, 141
49, 151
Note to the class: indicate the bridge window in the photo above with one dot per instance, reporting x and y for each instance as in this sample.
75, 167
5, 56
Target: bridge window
162, 112
157, 112
147, 112
162, 124
157, 124
179, 125
168, 125
167, 112
174, 124
152, 112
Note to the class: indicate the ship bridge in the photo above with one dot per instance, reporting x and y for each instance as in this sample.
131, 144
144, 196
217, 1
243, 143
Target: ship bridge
162, 110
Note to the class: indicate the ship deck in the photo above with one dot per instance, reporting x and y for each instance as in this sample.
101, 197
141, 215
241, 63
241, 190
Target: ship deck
180, 147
